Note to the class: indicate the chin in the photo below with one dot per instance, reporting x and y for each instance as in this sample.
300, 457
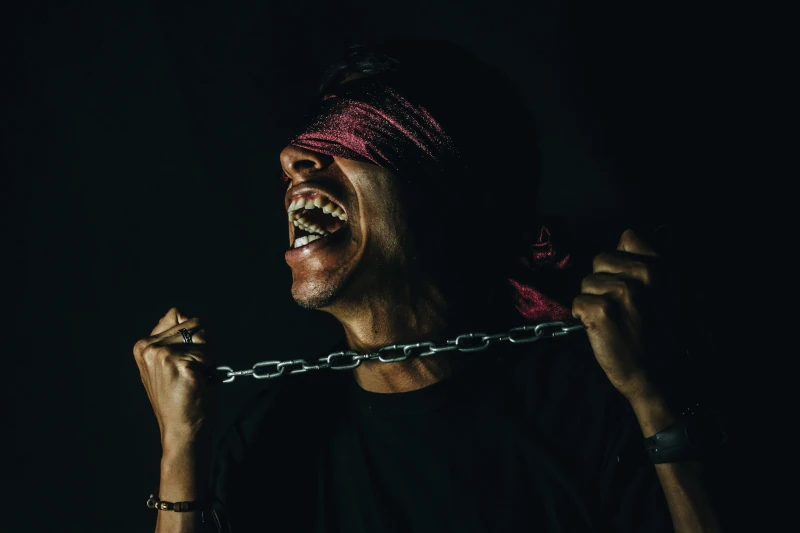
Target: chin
314, 295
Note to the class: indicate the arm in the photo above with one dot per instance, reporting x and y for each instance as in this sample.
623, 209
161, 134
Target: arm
173, 374
183, 478
686, 498
613, 306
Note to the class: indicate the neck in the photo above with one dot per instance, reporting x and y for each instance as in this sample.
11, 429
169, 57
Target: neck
401, 317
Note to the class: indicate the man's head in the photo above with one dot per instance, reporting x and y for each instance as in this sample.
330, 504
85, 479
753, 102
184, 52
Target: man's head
408, 222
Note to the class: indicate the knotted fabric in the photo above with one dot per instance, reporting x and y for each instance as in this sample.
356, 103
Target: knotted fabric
368, 120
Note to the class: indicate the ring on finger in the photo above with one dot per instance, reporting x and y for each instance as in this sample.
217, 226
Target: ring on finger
187, 337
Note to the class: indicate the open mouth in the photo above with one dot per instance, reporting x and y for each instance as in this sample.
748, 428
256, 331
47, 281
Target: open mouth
314, 217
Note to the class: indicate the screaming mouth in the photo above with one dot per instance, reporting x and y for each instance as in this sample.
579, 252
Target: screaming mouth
315, 217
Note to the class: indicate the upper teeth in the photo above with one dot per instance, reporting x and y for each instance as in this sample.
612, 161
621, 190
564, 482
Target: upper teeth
328, 207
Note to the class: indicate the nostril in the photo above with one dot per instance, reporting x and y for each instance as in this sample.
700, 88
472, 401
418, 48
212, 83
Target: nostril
303, 164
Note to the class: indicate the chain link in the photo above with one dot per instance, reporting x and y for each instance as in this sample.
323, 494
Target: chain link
347, 360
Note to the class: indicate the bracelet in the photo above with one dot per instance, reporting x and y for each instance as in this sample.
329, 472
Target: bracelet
154, 502
696, 433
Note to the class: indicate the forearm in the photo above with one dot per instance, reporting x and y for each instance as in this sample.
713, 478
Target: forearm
183, 478
686, 498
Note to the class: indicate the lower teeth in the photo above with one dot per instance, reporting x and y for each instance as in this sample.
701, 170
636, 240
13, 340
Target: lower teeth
302, 241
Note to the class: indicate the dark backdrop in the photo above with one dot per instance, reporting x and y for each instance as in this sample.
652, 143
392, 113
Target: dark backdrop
140, 161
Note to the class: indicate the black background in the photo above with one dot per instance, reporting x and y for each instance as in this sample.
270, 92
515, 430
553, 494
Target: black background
140, 151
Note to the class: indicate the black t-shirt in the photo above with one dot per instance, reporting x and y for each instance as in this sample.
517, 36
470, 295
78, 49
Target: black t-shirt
526, 438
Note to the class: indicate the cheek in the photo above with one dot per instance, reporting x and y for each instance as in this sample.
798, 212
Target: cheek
381, 218
386, 225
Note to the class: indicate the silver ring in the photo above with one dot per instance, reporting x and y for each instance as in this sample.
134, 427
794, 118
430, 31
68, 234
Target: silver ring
187, 337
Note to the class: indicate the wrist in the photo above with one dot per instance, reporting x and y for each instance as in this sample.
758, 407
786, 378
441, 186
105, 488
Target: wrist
183, 473
181, 442
651, 410
182, 452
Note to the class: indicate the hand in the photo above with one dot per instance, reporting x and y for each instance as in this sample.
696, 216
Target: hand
174, 375
611, 305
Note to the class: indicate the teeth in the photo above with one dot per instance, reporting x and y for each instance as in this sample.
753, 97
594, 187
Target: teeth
319, 202
302, 241
299, 222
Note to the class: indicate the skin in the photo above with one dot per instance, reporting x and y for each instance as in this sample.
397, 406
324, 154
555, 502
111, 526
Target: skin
357, 282
376, 285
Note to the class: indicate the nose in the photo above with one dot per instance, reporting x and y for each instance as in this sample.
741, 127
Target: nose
300, 163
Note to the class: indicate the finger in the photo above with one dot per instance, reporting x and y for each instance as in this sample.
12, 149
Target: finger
142, 344
172, 318
200, 366
595, 310
616, 286
625, 264
621, 290
197, 336
157, 354
632, 243
197, 355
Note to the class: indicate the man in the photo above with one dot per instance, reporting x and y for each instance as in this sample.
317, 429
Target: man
409, 195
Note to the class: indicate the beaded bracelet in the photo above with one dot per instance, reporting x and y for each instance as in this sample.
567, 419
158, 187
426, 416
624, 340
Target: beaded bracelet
179, 507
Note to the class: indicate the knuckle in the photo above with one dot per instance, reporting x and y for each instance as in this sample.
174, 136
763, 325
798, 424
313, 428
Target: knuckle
600, 260
140, 347
621, 288
186, 370
603, 307
153, 353
579, 303
644, 273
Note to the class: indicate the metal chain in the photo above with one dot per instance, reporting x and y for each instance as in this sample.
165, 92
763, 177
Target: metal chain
347, 360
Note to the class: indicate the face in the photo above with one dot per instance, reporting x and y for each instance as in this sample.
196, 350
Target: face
347, 229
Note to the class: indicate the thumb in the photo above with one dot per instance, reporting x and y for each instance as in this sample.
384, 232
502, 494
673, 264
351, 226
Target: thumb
631, 243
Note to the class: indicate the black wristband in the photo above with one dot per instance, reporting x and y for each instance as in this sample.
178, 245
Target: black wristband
670, 445
691, 437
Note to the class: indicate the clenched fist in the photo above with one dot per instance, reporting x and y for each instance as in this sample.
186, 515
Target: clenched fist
612, 306
174, 374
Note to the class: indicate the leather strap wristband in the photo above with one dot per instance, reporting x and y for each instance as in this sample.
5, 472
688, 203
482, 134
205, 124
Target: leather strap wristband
154, 502
697, 432
671, 445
